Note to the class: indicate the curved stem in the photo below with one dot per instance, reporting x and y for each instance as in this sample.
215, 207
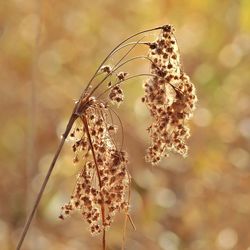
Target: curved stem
122, 129
114, 50
132, 59
100, 83
126, 79
129, 44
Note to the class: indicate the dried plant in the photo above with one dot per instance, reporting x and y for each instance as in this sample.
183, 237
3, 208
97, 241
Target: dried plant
103, 183
170, 97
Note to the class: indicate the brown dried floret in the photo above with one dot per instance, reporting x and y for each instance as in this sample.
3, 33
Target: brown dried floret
170, 97
106, 68
98, 202
116, 94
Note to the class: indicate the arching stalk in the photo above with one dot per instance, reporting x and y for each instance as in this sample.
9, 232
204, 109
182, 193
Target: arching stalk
114, 51
122, 81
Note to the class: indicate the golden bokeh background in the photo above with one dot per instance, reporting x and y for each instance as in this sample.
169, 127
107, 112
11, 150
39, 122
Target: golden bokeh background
48, 51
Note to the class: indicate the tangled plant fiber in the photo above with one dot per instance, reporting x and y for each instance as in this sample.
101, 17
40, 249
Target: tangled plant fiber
103, 183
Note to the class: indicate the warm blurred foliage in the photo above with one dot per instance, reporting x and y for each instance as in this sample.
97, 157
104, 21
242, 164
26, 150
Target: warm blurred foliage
49, 49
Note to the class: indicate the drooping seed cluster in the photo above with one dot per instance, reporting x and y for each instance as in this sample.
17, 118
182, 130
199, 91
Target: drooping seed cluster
102, 186
170, 97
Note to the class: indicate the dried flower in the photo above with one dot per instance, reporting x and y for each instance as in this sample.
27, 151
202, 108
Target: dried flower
106, 69
170, 97
103, 183
116, 94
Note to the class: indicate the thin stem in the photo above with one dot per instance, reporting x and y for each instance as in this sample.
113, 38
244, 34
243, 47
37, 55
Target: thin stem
114, 50
132, 59
99, 84
124, 232
122, 130
120, 48
129, 44
121, 81
104, 119
85, 122
46, 179
116, 67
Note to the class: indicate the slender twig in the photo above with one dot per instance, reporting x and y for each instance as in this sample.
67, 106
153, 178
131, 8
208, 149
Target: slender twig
132, 59
122, 129
122, 81
114, 50
39, 196
120, 60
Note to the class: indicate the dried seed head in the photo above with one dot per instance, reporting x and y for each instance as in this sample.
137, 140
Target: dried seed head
106, 69
102, 186
121, 76
116, 94
103, 183
170, 97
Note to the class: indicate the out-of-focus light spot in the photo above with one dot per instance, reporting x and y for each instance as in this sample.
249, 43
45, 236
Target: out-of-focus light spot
140, 108
75, 245
204, 73
193, 188
28, 28
133, 244
230, 55
52, 210
227, 238
239, 158
42, 242
145, 179
230, 86
244, 103
65, 49
169, 241
165, 198
199, 245
192, 33
3, 233
12, 132
75, 22
25, 5
49, 62
244, 127
202, 117
136, 202
243, 41
229, 132
211, 179
241, 203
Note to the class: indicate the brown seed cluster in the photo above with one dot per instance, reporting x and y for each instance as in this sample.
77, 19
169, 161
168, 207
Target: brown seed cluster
170, 97
102, 186
116, 94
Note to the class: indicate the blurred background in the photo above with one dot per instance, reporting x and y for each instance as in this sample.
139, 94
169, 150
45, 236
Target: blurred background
48, 51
